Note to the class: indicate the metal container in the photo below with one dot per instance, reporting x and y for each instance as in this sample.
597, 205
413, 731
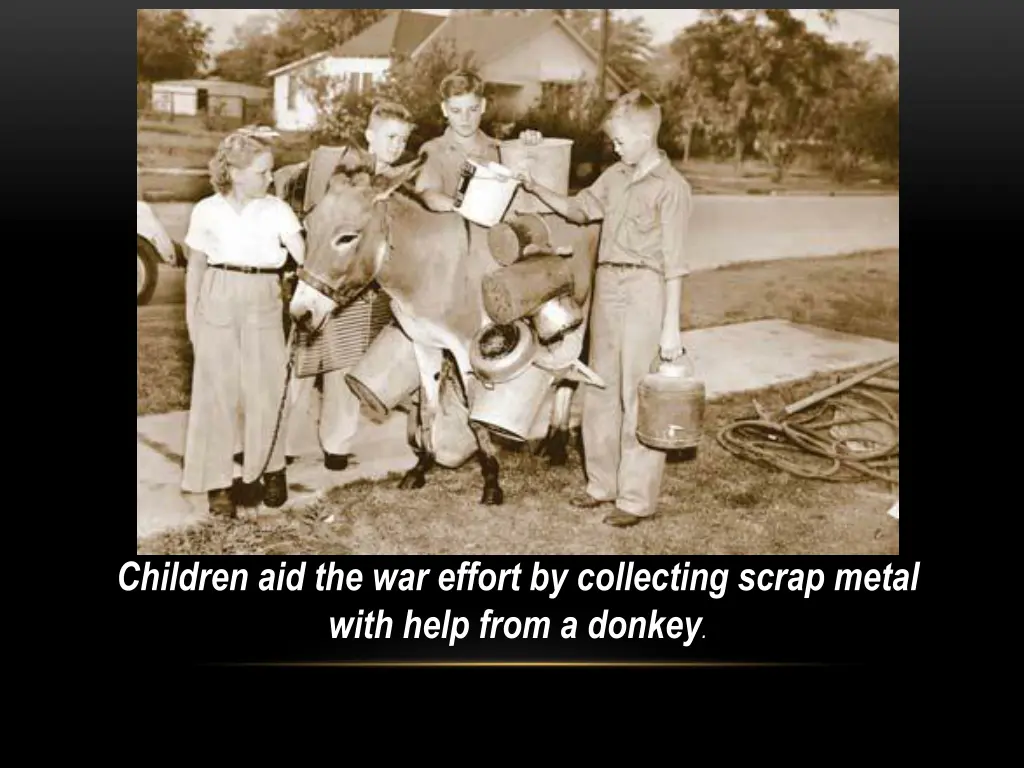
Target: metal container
386, 374
510, 408
555, 318
549, 162
670, 410
501, 352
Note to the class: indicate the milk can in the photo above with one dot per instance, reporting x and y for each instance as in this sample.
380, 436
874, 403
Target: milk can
670, 406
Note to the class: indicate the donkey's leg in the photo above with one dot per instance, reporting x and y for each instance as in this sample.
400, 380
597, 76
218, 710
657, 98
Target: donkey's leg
416, 477
488, 456
421, 418
557, 439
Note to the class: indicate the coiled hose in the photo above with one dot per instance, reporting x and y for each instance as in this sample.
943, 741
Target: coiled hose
824, 442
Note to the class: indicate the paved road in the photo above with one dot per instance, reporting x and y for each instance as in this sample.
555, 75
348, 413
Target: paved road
724, 230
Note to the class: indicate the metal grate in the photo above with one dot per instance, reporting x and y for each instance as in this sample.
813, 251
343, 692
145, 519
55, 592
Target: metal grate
344, 339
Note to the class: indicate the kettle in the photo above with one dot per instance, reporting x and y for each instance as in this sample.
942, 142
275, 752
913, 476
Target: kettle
671, 402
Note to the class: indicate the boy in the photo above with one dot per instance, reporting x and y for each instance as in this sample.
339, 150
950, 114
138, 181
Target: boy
463, 105
644, 204
387, 133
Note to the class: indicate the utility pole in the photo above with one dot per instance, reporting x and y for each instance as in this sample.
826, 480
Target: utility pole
604, 57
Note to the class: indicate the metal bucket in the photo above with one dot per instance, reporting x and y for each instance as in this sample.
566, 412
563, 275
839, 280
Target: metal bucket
484, 192
549, 163
386, 374
510, 408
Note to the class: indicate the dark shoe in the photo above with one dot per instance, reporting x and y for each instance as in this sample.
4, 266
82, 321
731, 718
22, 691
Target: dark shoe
276, 485
221, 503
246, 494
621, 519
336, 462
583, 501
289, 460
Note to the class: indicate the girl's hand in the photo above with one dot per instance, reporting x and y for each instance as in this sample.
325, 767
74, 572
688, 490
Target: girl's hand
531, 137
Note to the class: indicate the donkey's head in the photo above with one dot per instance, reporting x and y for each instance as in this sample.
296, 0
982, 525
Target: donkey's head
347, 238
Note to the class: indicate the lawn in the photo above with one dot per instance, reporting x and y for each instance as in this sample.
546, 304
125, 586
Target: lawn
715, 503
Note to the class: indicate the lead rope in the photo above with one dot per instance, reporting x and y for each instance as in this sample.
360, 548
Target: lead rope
292, 353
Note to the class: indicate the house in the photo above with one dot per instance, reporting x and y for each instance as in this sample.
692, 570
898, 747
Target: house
213, 97
521, 58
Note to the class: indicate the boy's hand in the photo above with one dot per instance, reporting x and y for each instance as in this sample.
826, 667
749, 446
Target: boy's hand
531, 137
525, 177
671, 344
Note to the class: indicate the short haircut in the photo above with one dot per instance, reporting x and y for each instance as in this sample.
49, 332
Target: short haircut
459, 83
390, 110
636, 108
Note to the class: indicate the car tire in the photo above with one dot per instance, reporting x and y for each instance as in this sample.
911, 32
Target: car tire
147, 262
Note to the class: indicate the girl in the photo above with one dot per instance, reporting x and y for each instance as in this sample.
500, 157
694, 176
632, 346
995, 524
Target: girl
239, 239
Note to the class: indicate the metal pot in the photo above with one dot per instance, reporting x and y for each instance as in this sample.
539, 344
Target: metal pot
501, 352
556, 317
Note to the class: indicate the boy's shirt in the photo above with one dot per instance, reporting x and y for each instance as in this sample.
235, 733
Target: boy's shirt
445, 157
646, 220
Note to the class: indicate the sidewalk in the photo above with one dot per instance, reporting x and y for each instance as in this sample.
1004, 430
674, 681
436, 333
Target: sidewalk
732, 359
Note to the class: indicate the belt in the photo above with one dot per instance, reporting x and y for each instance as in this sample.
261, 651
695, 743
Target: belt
248, 270
624, 265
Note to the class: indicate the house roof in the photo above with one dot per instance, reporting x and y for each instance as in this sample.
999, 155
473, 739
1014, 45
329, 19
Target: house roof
490, 37
400, 32
487, 37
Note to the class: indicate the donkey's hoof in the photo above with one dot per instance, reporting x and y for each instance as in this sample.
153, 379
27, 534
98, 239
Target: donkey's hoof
558, 457
412, 481
493, 496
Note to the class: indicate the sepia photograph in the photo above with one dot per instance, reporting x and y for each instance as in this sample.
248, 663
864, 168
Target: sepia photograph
518, 281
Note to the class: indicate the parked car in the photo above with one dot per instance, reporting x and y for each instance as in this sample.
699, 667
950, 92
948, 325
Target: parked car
153, 247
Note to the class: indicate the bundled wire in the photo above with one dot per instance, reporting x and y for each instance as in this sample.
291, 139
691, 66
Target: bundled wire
843, 438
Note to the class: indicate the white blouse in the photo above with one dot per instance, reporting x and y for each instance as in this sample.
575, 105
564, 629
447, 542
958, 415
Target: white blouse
252, 238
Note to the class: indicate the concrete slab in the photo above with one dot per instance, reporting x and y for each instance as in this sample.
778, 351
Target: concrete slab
747, 357
160, 442
731, 359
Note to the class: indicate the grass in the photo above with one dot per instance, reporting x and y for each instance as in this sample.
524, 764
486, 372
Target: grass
713, 504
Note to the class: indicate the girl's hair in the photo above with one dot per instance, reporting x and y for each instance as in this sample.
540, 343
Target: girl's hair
237, 150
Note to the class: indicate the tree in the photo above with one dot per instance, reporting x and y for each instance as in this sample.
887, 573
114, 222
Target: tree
758, 77
862, 121
252, 52
170, 44
303, 32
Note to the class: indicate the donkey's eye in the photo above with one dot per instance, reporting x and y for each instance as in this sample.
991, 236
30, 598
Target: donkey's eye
343, 239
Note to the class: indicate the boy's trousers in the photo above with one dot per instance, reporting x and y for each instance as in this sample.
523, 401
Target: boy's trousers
625, 336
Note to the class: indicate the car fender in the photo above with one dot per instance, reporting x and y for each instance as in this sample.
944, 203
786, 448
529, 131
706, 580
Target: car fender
149, 227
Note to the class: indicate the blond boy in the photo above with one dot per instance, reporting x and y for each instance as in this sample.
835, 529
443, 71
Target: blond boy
644, 204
